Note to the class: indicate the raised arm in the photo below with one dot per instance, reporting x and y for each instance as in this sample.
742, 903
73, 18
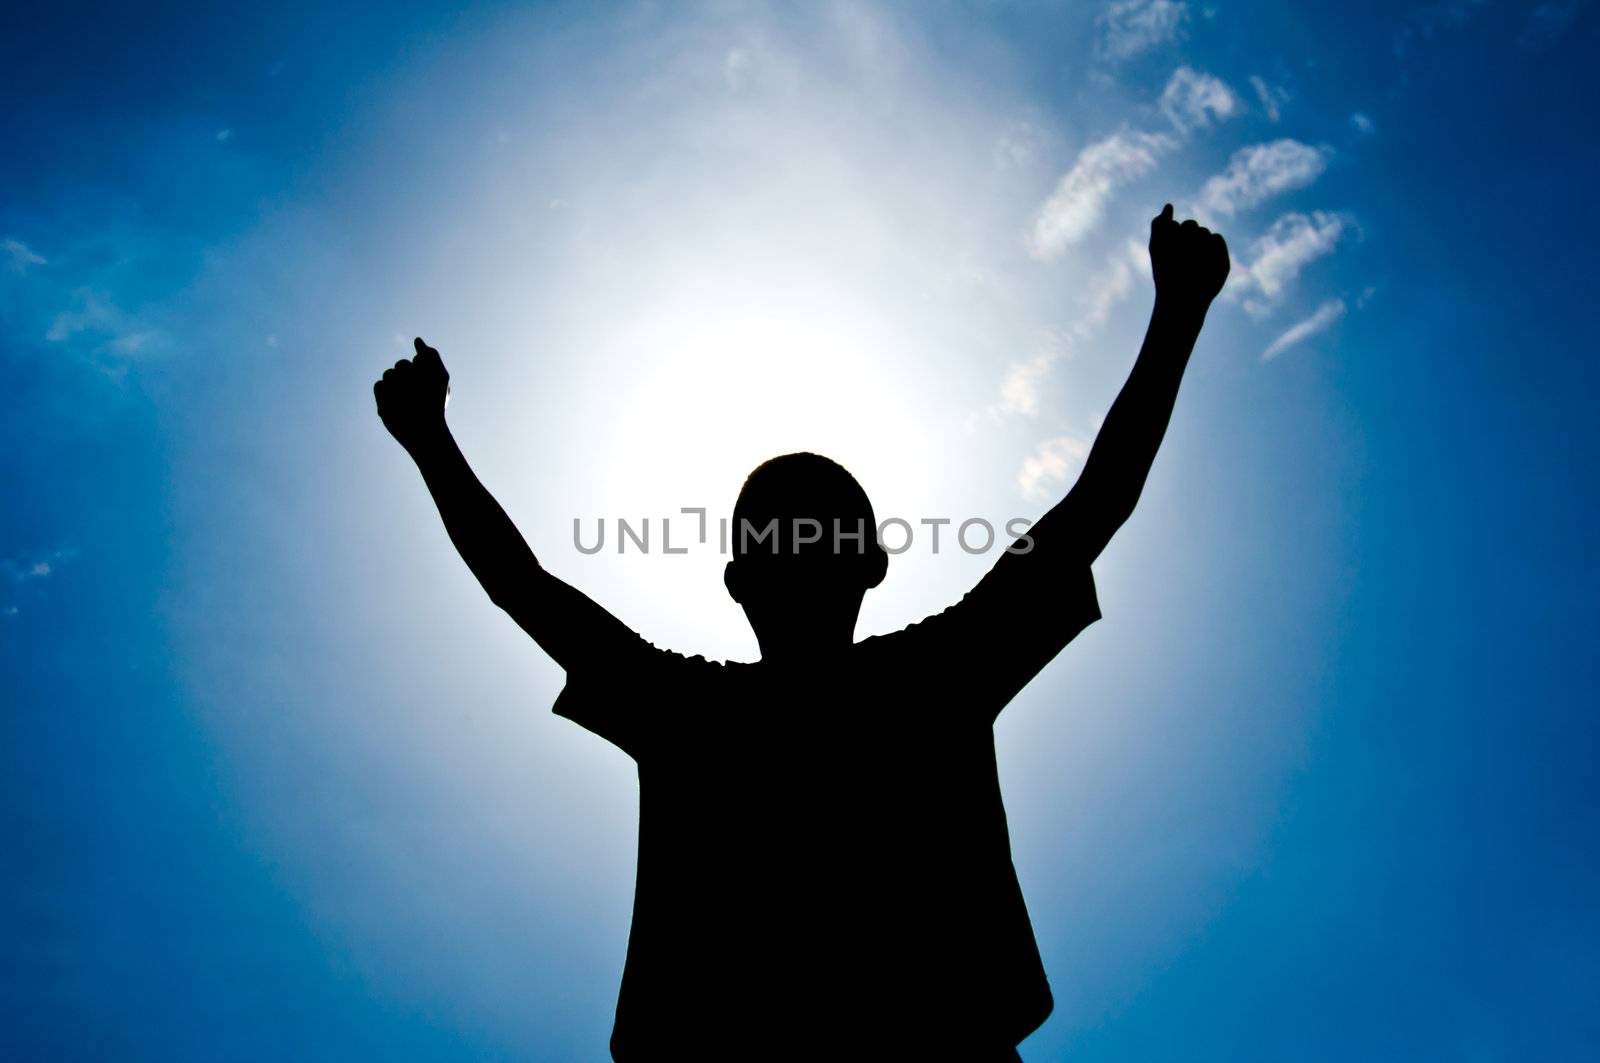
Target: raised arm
567, 624
1190, 264
1035, 600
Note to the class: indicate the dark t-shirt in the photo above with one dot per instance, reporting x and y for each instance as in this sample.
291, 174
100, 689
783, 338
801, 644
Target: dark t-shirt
823, 852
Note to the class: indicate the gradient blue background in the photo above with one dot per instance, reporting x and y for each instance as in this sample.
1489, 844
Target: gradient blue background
278, 783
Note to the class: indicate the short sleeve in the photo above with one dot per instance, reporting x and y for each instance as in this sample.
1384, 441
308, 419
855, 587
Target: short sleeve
984, 649
628, 697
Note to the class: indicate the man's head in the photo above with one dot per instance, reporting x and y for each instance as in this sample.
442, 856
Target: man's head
805, 551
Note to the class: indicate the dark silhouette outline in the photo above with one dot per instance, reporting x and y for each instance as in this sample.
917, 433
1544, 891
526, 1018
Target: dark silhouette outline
824, 867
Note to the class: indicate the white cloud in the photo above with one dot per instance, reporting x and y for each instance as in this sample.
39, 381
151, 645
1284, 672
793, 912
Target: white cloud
1272, 97
1192, 100
20, 255
1048, 467
133, 342
1364, 125
1280, 254
21, 569
1111, 286
1259, 172
93, 324
1292, 241
91, 313
1129, 27
1105, 291
25, 569
1320, 321
1020, 388
1079, 201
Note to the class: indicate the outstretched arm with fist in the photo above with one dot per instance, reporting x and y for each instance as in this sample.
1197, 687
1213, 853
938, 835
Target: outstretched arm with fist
566, 623
1189, 264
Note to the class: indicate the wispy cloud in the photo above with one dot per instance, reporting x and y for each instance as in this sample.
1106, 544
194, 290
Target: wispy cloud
1047, 469
1280, 254
1112, 285
1080, 198
26, 568
131, 343
1022, 387
1363, 124
95, 325
1023, 383
29, 568
1192, 100
1318, 322
91, 312
1130, 27
19, 256
1259, 172
1271, 97
17, 571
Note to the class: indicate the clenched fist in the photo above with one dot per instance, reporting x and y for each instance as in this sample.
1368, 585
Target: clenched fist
1190, 263
411, 397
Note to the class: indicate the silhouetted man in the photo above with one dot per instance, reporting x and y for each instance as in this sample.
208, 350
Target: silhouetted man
824, 867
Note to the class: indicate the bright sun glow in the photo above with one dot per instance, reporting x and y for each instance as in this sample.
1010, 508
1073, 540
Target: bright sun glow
731, 375
728, 372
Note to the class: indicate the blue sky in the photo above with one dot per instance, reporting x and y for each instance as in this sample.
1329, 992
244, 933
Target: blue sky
280, 783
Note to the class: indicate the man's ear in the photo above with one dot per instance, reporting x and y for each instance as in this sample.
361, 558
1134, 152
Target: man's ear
877, 561
730, 580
